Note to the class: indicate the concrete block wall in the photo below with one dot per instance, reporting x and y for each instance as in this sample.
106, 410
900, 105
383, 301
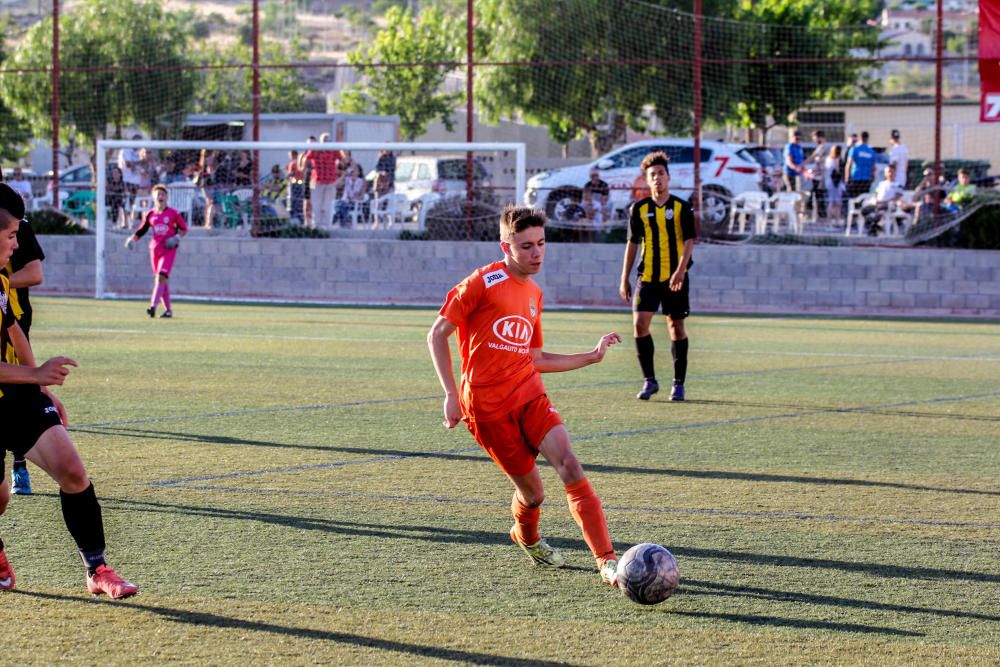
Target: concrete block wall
928, 282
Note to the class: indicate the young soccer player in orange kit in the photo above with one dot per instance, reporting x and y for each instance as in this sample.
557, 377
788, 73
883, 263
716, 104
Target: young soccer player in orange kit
497, 312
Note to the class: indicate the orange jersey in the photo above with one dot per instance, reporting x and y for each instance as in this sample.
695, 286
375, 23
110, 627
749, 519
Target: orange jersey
499, 321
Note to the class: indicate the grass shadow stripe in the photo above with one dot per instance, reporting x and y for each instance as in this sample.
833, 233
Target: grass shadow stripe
206, 619
799, 623
728, 590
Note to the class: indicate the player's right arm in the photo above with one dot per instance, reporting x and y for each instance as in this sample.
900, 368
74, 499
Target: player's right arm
53, 371
625, 289
437, 343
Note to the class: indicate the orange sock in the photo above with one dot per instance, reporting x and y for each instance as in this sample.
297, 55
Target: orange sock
586, 509
525, 521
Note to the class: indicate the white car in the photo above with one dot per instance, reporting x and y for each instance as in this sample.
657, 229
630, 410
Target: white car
426, 179
726, 170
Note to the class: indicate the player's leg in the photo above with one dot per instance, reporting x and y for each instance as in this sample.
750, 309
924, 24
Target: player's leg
677, 310
20, 477
644, 305
504, 441
165, 264
6, 571
56, 454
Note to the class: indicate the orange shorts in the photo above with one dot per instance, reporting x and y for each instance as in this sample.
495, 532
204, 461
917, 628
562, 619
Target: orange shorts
513, 440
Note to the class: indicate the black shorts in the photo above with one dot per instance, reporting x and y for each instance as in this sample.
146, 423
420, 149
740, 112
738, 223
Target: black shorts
649, 297
25, 414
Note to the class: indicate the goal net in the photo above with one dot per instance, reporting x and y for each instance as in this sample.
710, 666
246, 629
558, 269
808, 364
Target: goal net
258, 191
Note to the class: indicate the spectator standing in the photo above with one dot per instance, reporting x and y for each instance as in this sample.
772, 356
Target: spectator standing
242, 176
899, 158
21, 186
816, 164
833, 180
293, 173
385, 167
129, 162
114, 198
596, 196
325, 175
792, 157
860, 170
306, 165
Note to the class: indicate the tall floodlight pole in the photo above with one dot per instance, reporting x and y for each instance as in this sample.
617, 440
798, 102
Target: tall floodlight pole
469, 165
696, 199
939, 48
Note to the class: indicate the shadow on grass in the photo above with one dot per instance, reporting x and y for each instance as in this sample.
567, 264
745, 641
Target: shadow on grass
439, 534
472, 454
726, 590
800, 623
205, 619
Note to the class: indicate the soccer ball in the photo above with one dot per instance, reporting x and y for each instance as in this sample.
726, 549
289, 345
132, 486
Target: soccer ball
172, 242
648, 574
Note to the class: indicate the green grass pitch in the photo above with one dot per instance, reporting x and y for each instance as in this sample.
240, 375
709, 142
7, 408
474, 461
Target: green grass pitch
278, 483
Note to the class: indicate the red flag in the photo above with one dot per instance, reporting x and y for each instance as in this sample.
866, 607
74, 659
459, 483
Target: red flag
989, 60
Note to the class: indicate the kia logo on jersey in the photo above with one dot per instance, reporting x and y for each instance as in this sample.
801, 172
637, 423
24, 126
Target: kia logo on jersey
513, 330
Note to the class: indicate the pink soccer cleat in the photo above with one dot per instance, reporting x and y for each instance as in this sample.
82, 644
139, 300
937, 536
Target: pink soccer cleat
105, 580
6, 573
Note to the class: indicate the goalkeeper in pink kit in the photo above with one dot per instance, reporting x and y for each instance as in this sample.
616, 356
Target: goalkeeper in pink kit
168, 227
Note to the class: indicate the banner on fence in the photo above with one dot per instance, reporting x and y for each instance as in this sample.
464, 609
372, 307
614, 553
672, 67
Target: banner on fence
989, 60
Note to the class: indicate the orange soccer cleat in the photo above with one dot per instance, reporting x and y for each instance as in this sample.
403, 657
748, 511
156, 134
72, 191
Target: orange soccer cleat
6, 573
105, 580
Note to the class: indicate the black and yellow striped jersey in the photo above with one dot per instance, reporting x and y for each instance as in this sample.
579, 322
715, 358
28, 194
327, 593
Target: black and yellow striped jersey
661, 231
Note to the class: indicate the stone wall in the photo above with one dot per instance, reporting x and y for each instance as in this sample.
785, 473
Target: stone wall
744, 278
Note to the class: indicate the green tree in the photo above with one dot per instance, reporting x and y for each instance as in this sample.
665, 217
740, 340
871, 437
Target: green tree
121, 65
14, 132
588, 68
224, 89
413, 93
824, 33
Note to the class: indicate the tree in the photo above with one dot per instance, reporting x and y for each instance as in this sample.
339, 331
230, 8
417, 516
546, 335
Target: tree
223, 89
414, 93
825, 32
14, 132
590, 66
121, 64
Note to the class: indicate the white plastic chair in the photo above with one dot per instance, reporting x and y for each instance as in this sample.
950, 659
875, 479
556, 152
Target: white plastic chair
388, 209
854, 214
748, 206
783, 206
180, 197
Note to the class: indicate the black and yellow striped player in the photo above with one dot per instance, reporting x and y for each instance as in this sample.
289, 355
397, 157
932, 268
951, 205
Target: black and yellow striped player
662, 225
24, 270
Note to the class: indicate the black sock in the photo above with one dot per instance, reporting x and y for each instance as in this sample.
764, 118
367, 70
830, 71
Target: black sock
679, 348
19, 464
82, 514
644, 350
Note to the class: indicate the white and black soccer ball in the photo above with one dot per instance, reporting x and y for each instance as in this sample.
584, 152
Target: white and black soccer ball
648, 574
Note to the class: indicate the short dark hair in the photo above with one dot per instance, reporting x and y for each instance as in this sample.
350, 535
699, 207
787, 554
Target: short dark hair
11, 201
658, 157
819, 133
516, 219
864, 137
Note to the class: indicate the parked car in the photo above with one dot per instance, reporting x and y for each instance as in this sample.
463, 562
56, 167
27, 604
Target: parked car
726, 170
769, 158
425, 179
72, 179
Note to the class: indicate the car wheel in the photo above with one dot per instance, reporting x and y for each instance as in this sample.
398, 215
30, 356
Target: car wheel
561, 204
715, 206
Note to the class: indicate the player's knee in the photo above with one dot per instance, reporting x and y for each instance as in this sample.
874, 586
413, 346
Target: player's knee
74, 479
532, 498
163, 277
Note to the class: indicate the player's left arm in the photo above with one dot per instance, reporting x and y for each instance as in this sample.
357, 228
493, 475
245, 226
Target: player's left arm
548, 362
29, 275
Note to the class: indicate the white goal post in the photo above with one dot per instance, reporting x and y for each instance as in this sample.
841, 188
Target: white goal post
105, 146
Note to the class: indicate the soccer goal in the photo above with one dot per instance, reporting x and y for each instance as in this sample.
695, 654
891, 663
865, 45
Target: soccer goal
254, 191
